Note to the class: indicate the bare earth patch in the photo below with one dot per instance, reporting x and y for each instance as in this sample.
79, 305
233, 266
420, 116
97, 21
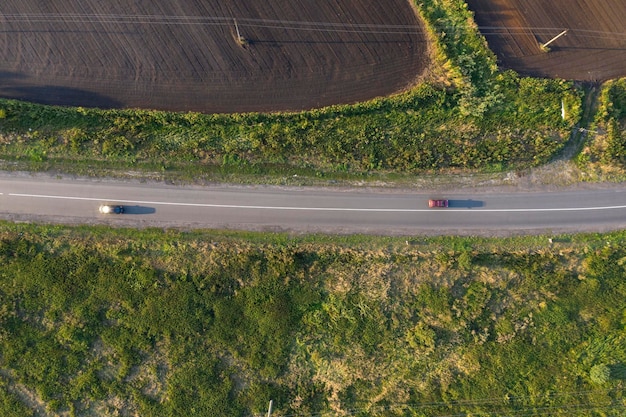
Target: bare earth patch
594, 48
210, 56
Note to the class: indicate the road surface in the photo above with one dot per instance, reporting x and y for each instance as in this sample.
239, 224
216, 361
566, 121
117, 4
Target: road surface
45, 199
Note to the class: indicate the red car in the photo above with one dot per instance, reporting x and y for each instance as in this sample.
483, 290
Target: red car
437, 203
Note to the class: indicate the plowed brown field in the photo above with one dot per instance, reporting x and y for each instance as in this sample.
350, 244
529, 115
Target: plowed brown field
184, 54
594, 48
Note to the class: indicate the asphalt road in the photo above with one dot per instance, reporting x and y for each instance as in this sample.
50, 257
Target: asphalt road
24, 198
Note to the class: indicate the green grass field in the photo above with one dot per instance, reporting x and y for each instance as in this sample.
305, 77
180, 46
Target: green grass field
121, 322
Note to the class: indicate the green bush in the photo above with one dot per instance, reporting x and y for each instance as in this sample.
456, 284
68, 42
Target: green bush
615, 143
600, 374
612, 101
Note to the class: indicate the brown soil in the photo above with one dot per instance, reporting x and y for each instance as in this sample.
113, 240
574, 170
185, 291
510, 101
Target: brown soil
594, 48
186, 55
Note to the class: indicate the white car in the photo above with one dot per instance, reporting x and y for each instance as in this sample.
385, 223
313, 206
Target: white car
111, 209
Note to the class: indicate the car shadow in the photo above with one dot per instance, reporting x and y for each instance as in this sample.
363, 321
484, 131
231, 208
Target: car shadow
139, 210
465, 203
